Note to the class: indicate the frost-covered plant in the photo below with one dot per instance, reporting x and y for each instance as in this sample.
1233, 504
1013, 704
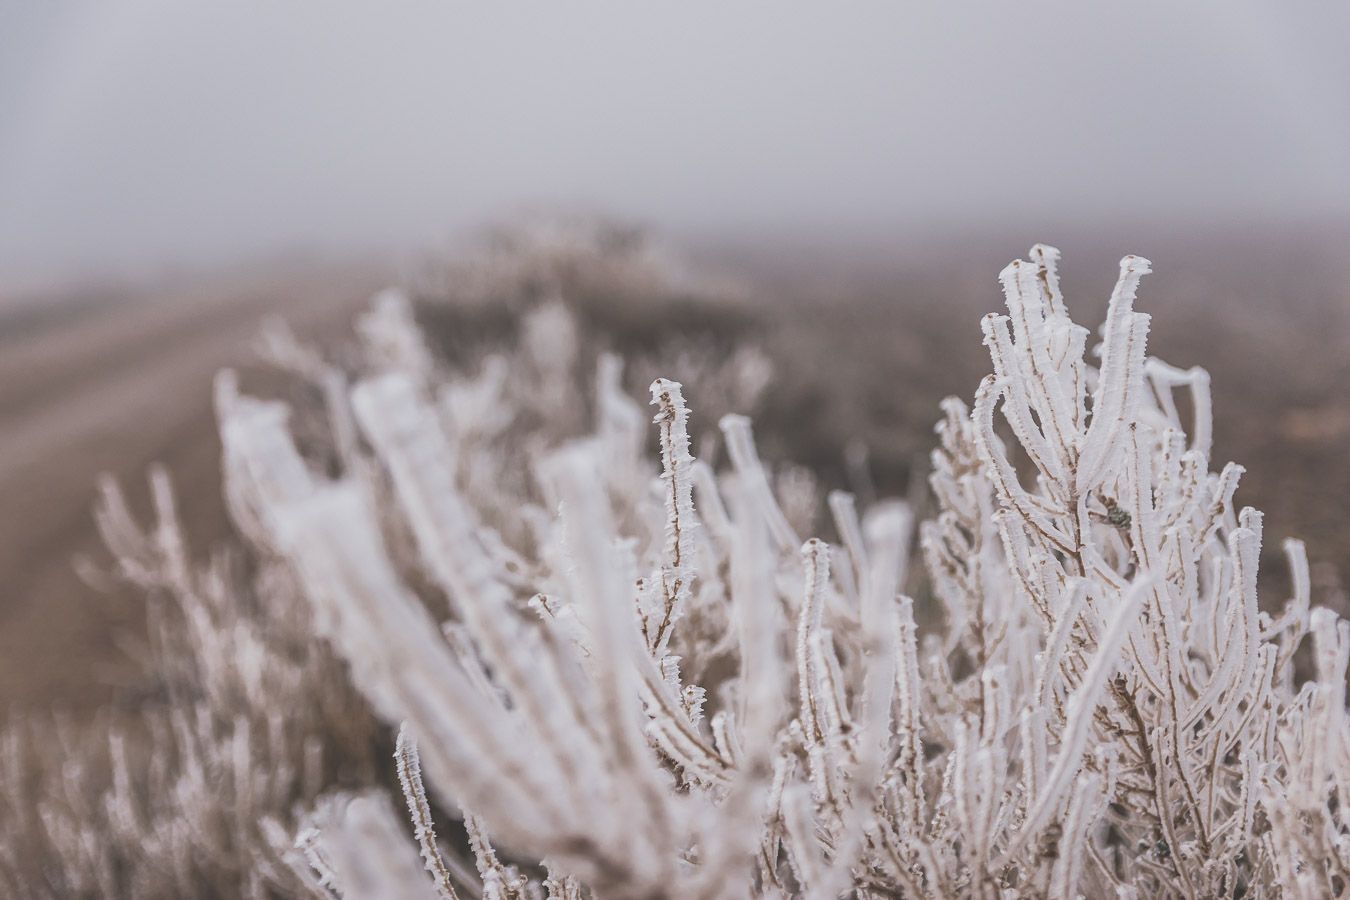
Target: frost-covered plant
181, 787
648, 685
625, 675
182, 795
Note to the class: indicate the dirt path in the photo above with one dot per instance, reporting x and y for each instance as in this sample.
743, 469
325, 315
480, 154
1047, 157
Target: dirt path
115, 385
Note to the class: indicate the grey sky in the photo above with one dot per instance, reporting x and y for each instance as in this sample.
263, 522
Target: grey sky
157, 131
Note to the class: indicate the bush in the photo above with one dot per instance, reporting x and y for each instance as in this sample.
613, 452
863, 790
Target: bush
631, 681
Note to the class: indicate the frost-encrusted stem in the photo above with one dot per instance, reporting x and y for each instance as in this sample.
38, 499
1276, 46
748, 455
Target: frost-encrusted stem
676, 576
419, 810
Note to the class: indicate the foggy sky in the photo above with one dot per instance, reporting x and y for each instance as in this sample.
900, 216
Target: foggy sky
143, 133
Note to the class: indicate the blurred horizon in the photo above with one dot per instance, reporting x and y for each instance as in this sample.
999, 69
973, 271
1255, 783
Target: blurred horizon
150, 137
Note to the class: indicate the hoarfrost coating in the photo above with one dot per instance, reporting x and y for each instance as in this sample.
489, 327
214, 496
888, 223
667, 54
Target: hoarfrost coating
648, 685
1105, 710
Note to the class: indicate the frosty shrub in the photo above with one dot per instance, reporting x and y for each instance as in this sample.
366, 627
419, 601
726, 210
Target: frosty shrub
649, 685
614, 673
181, 794
189, 784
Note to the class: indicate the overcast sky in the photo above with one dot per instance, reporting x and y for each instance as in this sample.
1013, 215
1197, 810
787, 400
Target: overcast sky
142, 133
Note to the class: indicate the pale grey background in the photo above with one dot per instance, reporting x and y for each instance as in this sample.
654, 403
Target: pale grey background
139, 134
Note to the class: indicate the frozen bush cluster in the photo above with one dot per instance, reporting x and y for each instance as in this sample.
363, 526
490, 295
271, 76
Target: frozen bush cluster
655, 688
179, 795
622, 675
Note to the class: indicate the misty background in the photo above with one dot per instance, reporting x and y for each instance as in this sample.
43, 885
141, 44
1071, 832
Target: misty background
172, 173
153, 133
